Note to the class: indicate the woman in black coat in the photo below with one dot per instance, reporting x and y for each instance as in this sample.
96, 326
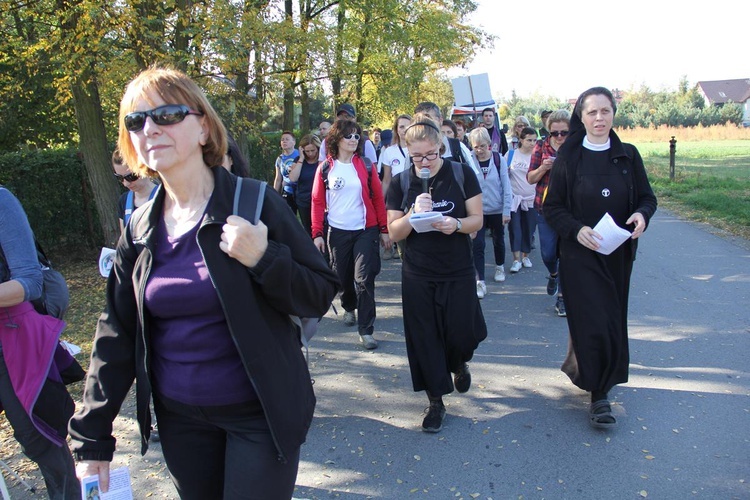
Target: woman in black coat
198, 311
595, 173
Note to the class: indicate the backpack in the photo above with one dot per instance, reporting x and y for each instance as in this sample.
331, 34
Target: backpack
55, 296
248, 204
458, 174
368, 165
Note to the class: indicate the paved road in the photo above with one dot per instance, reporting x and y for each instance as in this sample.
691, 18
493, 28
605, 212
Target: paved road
522, 432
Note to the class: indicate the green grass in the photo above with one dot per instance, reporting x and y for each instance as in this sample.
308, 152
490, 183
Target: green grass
712, 181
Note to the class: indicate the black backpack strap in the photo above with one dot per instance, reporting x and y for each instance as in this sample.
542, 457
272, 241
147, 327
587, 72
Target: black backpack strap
458, 174
455, 146
404, 179
368, 166
248, 199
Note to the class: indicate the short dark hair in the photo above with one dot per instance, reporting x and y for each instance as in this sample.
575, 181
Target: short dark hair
527, 131
117, 157
449, 123
339, 130
288, 132
491, 110
429, 108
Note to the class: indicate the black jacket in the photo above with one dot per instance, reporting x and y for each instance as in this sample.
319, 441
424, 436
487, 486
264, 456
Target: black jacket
558, 212
291, 278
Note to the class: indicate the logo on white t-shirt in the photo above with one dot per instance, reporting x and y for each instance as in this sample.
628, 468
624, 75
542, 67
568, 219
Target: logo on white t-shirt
338, 183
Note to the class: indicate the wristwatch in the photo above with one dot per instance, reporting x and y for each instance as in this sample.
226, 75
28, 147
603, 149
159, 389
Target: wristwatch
458, 225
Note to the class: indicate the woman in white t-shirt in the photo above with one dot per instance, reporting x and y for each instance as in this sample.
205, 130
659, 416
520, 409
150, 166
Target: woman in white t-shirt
395, 158
348, 196
522, 219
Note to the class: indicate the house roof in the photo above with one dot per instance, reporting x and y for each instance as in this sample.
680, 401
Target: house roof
721, 91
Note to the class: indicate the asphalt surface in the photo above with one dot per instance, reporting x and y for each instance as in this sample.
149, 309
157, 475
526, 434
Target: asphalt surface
522, 430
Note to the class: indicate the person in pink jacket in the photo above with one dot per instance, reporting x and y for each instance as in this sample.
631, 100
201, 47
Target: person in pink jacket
348, 219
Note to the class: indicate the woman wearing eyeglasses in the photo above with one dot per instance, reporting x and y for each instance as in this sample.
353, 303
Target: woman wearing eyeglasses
140, 190
443, 322
597, 174
198, 306
350, 199
542, 159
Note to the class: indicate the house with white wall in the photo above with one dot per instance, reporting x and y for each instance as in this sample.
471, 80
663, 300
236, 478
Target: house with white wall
719, 92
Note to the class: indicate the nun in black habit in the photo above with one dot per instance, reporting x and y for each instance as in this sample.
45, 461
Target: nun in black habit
595, 173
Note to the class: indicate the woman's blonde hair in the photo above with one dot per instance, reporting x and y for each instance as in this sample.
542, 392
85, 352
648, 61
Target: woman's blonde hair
479, 136
173, 87
423, 128
561, 115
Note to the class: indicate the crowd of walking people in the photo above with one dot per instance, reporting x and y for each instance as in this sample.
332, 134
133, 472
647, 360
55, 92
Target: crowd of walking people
201, 302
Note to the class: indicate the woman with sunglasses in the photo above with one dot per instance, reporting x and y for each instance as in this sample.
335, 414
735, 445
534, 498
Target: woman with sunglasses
348, 196
443, 322
596, 174
140, 190
198, 311
542, 159
303, 174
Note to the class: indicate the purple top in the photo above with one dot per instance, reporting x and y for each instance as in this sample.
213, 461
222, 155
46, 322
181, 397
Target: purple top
194, 359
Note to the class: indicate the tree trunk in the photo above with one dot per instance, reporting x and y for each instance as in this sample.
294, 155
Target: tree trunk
361, 52
338, 57
304, 117
96, 157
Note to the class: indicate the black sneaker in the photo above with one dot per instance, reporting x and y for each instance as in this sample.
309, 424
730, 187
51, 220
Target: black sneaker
551, 285
560, 307
433, 422
462, 379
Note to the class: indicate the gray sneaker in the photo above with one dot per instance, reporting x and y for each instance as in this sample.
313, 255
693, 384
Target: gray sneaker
350, 319
369, 342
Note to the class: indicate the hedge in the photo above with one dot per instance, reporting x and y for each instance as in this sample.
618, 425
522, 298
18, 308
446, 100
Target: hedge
53, 188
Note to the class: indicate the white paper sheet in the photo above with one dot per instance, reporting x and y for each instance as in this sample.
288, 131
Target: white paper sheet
612, 235
119, 486
422, 223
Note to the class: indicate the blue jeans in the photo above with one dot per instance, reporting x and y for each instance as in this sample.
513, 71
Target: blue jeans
495, 224
548, 246
521, 229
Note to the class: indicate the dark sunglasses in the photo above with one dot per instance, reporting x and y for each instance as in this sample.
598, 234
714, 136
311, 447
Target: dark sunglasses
352, 136
131, 177
168, 114
562, 133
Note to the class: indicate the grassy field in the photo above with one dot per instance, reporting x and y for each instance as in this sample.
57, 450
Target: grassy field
711, 184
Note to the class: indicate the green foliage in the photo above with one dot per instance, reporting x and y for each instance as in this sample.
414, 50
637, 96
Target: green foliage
53, 189
712, 180
530, 107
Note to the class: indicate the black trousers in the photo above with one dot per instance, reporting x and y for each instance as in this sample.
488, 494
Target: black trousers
355, 258
223, 452
55, 462
443, 325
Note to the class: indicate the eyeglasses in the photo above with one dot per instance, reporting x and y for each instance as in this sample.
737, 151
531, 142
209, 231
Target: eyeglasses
168, 114
131, 177
562, 133
421, 158
352, 136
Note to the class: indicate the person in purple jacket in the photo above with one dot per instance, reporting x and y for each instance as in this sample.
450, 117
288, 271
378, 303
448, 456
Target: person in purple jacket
198, 311
32, 393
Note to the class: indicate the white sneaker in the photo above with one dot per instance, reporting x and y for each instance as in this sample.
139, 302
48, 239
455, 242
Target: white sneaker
515, 267
499, 273
369, 342
481, 289
526, 262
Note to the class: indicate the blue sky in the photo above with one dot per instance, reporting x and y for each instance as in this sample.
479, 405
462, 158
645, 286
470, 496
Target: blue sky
561, 48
